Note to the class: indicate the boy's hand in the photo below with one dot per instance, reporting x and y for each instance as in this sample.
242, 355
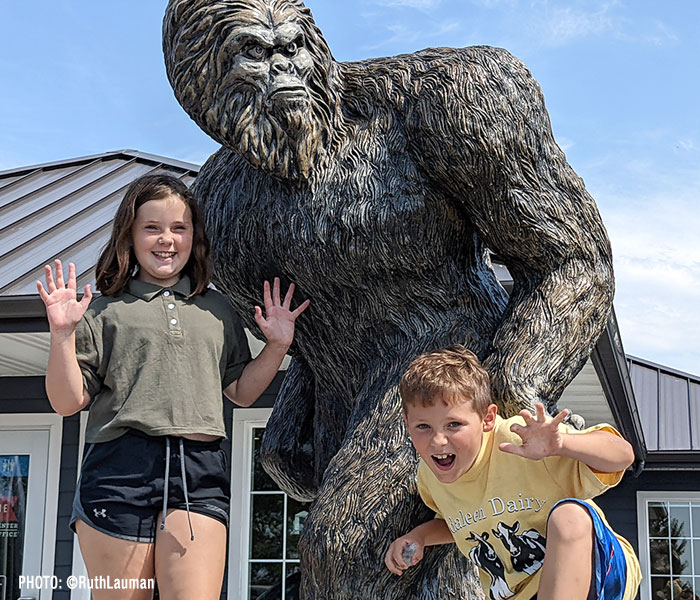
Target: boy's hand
406, 547
540, 435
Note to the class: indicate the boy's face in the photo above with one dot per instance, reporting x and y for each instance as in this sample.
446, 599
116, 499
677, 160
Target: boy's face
448, 438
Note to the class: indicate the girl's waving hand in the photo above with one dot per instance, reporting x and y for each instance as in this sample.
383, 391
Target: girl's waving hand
277, 325
63, 309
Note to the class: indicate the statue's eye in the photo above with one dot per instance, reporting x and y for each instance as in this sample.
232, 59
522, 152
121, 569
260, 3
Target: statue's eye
255, 51
292, 48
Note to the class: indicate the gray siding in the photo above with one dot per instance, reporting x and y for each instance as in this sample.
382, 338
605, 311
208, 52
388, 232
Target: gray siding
669, 407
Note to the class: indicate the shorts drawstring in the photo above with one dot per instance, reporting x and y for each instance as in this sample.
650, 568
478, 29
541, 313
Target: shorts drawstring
167, 479
184, 483
184, 486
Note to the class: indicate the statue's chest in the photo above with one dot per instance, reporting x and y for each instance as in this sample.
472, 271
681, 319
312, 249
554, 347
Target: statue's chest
369, 214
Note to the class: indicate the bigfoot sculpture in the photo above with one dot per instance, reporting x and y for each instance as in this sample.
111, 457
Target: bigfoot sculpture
377, 187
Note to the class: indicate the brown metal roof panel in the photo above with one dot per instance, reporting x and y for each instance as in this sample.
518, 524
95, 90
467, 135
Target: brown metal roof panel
107, 190
44, 197
9, 179
28, 184
674, 421
53, 244
82, 254
646, 393
694, 410
49, 245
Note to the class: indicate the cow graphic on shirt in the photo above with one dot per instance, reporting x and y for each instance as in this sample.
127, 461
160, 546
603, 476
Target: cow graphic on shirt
484, 556
526, 550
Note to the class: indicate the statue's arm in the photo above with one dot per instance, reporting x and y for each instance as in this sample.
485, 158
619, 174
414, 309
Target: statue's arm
287, 450
494, 153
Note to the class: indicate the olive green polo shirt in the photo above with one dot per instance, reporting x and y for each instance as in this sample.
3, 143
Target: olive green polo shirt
154, 360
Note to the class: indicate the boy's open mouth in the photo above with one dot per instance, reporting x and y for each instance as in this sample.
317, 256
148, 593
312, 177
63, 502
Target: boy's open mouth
443, 461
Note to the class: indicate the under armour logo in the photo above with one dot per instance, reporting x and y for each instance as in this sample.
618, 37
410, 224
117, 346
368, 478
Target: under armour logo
100, 513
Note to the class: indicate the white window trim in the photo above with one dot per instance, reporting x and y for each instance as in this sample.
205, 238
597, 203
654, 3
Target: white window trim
79, 569
643, 499
53, 423
244, 421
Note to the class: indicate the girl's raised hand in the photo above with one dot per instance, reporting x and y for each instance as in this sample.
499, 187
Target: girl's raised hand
61, 299
540, 434
277, 324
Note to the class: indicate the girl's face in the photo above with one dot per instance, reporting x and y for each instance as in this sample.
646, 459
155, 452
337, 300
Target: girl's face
162, 239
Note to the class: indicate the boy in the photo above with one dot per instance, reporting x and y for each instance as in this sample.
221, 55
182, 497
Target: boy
514, 494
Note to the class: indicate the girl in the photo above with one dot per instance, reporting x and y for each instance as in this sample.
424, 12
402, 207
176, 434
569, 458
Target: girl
152, 354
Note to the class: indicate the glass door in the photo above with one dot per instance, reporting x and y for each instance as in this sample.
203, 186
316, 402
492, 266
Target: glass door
25, 517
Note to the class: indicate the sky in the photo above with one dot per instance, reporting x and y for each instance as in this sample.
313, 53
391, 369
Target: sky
621, 80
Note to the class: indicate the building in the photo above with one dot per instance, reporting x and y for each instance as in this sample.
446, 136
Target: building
64, 210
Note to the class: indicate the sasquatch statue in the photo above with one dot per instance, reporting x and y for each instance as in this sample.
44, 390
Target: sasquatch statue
379, 187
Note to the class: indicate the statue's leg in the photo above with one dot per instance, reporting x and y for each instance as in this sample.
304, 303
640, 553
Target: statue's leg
368, 498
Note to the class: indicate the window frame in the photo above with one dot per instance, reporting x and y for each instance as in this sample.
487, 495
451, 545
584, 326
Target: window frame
244, 421
643, 499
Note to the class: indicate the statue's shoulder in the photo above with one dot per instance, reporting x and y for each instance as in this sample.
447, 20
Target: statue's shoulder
473, 58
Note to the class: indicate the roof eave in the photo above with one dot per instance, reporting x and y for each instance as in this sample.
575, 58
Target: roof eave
105, 155
608, 358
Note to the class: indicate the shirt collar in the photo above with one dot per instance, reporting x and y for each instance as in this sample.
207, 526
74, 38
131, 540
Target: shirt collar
147, 291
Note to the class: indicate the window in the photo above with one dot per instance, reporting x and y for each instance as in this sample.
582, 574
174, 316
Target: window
268, 521
669, 545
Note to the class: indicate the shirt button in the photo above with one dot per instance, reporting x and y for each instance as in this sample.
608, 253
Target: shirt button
166, 293
173, 321
171, 306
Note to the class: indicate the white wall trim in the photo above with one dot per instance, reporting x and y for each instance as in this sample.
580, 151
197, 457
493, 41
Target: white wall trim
244, 420
79, 569
52, 423
643, 499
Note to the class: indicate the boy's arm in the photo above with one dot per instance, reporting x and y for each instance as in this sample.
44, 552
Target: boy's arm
600, 450
430, 533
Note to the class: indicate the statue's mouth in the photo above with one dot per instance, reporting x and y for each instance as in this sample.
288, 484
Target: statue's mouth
290, 92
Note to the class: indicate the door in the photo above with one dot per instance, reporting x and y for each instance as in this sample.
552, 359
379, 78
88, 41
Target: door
29, 464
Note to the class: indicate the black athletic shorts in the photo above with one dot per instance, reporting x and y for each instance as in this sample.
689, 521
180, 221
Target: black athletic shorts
122, 483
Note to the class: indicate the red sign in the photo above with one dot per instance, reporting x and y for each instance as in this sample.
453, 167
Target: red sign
7, 505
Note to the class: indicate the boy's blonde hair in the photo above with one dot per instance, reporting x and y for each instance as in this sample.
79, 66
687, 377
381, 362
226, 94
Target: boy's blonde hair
453, 375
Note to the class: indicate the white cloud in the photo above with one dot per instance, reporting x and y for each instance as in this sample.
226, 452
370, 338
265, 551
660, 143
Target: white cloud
563, 25
565, 143
686, 144
656, 253
494, 3
424, 5
402, 35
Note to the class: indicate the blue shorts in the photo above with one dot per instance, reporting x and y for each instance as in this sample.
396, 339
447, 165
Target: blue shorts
610, 568
125, 483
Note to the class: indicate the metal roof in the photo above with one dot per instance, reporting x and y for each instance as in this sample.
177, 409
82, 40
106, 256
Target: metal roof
669, 407
64, 210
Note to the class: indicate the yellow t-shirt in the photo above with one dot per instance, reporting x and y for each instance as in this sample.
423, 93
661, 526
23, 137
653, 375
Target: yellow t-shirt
502, 503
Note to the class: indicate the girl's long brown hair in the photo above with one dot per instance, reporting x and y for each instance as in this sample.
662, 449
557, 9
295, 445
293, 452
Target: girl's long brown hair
117, 262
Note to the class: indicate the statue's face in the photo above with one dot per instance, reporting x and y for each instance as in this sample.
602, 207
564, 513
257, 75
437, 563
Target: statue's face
254, 76
273, 59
